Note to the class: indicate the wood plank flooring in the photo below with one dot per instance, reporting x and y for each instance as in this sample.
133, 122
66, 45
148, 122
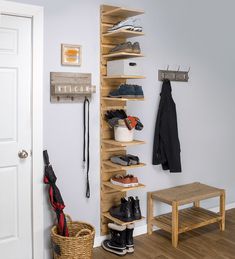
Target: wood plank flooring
203, 243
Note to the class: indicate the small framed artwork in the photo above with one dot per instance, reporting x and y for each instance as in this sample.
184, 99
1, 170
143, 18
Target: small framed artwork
70, 55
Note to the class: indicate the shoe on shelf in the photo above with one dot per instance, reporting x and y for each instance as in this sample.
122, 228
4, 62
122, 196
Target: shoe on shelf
123, 212
130, 23
134, 160
136, 48
124, 90
120, 160
133, 180
117, 242
125, 181
113, 116
138, 91
127, 47
129, 238
122, 47
135, 207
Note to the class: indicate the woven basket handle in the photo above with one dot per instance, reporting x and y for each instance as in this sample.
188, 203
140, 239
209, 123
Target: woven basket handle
68, 218
83, 232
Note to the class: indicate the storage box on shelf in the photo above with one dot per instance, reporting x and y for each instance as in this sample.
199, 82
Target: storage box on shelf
110, 193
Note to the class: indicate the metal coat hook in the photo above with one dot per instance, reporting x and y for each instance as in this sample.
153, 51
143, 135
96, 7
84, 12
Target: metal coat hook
174, 75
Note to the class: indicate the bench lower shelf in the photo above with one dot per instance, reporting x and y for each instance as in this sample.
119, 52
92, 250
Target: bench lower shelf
189, 219
119, 222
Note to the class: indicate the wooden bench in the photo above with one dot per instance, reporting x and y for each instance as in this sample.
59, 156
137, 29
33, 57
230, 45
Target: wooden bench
180, 221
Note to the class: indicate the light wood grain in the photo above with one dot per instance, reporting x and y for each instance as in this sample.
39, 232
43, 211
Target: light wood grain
149, 213
187, 193
122, 189
119, 222
179, 221
122, 55
123, 12
123, 34
122, 167
110, 194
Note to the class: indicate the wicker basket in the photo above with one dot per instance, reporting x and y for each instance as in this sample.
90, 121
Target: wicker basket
79, 244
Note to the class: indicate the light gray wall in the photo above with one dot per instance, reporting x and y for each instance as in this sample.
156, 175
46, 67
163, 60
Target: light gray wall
191, 33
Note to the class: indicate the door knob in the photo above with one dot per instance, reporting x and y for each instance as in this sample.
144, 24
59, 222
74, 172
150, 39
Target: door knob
23, 154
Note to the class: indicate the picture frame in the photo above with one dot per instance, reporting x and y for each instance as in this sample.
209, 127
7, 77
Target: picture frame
71, 55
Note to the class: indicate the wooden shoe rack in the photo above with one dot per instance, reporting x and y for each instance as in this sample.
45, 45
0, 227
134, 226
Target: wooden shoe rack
111, 194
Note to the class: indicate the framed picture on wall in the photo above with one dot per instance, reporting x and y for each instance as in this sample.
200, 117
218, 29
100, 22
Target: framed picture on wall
70, 55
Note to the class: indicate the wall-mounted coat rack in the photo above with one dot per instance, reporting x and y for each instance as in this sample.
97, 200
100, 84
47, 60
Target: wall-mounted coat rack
173, 75
69, 87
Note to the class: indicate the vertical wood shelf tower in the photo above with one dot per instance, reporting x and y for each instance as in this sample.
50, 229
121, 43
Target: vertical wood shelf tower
111, 194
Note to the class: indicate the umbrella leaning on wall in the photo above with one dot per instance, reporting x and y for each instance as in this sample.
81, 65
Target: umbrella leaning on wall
55, 196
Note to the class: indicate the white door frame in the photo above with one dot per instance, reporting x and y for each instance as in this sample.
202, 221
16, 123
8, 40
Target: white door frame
36, 13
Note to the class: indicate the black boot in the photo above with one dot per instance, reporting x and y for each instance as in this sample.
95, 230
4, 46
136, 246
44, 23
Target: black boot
117, 243
135, 203
123, 211
129, 238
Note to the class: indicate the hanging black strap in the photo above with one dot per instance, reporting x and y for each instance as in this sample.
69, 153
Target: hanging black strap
86, 143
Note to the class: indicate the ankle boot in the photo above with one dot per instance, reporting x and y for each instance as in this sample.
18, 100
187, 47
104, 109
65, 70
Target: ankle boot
123, 211
129, 238
117, 243
135, 202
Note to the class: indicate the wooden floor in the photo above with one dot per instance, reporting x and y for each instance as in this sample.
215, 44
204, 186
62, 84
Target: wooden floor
203, 243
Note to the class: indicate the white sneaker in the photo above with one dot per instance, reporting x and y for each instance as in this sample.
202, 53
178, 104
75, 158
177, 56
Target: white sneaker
128, 24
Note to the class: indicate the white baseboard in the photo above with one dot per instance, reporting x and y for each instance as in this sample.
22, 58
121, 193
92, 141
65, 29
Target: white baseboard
143, 229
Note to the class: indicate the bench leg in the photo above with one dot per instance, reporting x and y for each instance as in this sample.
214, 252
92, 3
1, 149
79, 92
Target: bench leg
196, 204
150, 213
175, 224
222, 211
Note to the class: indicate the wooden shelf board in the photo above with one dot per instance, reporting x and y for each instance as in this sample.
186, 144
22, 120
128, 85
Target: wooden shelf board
123, 77
119, 222
108, 108
122, 144
189, 219
122, 167
122, 189
123, 34
121, 99
122, 55
123, 12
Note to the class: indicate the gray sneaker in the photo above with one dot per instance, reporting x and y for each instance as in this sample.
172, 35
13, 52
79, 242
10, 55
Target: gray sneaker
136, 48
123, 47
120, 160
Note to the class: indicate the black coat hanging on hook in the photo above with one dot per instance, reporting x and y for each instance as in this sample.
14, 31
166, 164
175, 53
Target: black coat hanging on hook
166, 146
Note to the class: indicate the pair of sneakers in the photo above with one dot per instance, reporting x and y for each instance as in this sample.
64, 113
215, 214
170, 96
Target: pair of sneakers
127, 47
131, 23
125, 181
127, 91
125, 160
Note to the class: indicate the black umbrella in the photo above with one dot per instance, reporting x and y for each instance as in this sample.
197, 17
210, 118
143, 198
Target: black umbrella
55, 196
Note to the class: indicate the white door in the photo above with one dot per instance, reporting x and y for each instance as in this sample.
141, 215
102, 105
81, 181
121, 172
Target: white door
15, 137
